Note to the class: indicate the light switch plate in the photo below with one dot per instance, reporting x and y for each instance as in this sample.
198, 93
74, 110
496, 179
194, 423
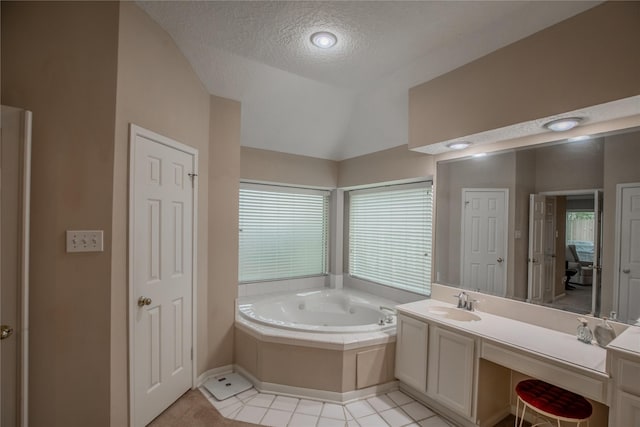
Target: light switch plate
84, 241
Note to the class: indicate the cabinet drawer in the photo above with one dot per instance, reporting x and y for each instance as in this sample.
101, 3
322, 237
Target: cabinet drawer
628, 376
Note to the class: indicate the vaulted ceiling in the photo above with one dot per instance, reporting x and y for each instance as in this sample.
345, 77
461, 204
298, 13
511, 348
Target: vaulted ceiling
352, 99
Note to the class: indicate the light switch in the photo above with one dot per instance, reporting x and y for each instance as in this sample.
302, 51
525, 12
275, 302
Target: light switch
84, 241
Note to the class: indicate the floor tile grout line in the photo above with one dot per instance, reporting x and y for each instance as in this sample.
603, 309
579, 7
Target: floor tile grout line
346, 413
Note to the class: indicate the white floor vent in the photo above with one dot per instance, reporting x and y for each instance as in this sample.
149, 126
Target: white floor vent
224, 386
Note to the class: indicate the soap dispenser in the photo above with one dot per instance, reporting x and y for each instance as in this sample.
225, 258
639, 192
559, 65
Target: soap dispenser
584, 333
604, 333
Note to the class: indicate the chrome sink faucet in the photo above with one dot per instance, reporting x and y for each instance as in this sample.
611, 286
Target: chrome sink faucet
465, 302
462, 299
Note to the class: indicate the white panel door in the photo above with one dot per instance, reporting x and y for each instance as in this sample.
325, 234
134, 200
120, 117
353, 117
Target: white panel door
411, 352
162, 274
629, 275
484, 247
537, 205
549, 249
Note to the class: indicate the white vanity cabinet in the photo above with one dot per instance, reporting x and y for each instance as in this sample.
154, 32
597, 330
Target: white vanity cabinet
451, 369
436, 362
625, 402
411, 352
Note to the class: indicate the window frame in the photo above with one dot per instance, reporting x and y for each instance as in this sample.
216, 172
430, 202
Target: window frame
379, 188
288, 189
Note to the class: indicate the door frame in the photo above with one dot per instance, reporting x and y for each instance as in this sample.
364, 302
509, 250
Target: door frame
24, 285
134, 131
617, 242
597, 195
506, 232
26, 118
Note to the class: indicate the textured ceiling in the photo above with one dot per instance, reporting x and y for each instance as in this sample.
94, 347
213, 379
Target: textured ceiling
352, 99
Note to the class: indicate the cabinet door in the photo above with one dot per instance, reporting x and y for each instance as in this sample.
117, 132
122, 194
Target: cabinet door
411, 352
628, 410
450, 378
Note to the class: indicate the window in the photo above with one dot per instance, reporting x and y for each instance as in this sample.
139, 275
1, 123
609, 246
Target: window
283, 232
580, 232
390, 236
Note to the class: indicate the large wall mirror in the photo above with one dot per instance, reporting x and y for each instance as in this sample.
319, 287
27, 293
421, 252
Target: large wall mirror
555, 224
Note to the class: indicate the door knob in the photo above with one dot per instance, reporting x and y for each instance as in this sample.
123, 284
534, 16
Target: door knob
499, 260
5, 331
626, 270
142, 301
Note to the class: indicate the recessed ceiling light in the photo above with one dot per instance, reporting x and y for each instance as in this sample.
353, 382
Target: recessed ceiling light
458, 145
579, 138
561, 125
480, 155
324, 39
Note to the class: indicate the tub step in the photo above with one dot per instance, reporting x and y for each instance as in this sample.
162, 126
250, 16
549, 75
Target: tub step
224, 386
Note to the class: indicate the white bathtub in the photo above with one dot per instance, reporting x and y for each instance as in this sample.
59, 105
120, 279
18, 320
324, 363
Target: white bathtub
320, 310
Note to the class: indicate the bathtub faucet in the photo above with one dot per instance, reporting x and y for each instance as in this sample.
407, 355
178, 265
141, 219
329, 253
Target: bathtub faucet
389, 318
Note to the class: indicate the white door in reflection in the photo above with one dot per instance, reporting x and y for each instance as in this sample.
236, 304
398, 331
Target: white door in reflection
629, 238
484, 233
537, 264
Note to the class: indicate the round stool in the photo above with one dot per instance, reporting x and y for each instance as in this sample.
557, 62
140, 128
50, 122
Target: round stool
551, 402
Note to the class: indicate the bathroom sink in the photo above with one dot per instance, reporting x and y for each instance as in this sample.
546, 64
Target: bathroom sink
453, 313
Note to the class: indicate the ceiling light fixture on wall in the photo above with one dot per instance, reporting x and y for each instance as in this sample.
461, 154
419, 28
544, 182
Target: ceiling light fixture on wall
324, 39
458, 145
564, 124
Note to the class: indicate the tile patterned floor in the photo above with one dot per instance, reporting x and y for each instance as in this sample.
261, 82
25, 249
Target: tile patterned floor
393, 409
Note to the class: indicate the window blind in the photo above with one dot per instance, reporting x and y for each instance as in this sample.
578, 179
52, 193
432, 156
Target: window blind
390, 236
283, 232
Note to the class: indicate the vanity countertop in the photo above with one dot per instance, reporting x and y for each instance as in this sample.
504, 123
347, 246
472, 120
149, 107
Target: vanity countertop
628, 341
548, 343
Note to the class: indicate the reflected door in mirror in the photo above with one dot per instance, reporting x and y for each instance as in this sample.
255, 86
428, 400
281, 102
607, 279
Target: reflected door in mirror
629, 282
484, 214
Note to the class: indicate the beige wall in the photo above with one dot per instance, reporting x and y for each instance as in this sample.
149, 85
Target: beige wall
579, 62
224, 177
525, 185
273, 166
575, 166
496, 171
394, 164
158, 90
88, 70
621, 154
59, 61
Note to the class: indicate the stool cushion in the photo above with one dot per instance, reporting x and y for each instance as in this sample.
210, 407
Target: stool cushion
554, 400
